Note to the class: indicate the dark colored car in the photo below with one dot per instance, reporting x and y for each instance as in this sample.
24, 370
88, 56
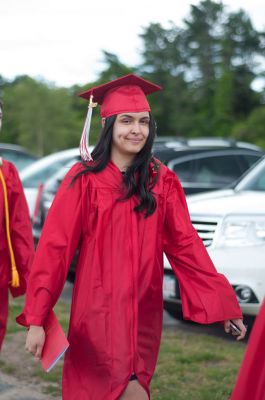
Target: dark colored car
202, 169
201, 164
19, 156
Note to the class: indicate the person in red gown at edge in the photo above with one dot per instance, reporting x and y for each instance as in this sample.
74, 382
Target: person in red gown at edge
16, 241
250, 384
122, 209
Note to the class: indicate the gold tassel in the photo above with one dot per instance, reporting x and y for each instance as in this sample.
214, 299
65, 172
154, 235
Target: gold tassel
15, 277
14, 271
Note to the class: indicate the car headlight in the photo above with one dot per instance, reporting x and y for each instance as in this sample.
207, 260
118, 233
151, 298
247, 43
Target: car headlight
241, 230
245, 294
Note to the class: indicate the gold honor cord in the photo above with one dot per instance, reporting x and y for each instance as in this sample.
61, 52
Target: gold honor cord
15, 276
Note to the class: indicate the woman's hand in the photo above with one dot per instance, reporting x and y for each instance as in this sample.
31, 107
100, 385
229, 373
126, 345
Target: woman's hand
35, 340
239, 323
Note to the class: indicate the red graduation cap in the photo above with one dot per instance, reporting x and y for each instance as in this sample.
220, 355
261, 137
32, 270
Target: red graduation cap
125, 94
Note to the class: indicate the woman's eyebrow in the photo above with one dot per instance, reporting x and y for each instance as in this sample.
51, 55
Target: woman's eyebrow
144, 118
125, 116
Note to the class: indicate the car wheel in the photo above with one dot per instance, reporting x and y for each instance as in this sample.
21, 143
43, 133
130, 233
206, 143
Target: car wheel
174, 310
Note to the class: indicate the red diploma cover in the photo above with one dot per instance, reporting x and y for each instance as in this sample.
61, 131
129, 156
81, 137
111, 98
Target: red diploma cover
55, 345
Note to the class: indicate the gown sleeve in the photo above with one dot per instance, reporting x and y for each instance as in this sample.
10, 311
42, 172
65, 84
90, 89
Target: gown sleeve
206, 295
20, 228
58, 242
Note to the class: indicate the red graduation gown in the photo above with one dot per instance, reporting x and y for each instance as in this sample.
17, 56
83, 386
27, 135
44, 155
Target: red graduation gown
117, 307
251, 378
21, 238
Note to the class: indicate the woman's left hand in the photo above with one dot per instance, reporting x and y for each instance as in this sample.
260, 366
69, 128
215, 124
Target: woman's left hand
239, 323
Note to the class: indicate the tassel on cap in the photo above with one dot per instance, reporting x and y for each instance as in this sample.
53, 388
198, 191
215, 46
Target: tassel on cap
125, 94
84, 142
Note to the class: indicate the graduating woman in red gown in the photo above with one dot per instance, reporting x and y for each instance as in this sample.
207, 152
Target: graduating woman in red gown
123, 210
16, 241
251, 378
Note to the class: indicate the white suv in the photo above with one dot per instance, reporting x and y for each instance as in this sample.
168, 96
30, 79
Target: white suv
231, 224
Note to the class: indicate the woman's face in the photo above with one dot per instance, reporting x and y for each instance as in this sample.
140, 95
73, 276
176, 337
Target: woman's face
130, 132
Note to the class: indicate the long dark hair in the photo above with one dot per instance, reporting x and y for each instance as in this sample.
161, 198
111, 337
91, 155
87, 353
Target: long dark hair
140, 178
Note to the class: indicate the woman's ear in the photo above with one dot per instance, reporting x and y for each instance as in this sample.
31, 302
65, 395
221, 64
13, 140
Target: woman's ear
103, 122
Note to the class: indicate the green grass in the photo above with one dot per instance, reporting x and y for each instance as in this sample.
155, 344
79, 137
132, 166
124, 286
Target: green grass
15, 308
195, 366
52, 390
52, 377
6, 368
191, 366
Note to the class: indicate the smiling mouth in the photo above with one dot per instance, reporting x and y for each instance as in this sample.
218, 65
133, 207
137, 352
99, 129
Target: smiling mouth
136, 141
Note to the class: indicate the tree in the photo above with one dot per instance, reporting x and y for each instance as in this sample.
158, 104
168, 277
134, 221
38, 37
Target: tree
207, 69
163, 63
252, 128
38, 116
234, 96
113, 68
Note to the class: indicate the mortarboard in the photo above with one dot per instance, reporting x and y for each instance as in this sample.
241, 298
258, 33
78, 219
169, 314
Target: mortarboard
125, 94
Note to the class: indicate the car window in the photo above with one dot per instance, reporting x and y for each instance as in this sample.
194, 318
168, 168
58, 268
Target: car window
45, 173
183, 170
20, 160
250, 159
257, 184
254, 180
260, 184
217, 170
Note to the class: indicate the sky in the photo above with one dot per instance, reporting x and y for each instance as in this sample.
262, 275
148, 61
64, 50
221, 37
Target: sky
62, 40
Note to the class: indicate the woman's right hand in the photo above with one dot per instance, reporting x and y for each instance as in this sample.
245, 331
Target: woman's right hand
35, 340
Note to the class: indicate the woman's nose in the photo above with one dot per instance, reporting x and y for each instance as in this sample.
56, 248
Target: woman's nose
136, 127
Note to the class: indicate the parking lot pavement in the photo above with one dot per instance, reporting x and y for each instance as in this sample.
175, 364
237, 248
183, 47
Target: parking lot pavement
13, 389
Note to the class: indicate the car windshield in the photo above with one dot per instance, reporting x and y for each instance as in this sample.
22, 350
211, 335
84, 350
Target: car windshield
41, 175
255, 179
21, 160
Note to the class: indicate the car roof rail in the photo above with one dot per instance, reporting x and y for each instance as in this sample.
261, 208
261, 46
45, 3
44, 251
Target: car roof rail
212, 141
202, 141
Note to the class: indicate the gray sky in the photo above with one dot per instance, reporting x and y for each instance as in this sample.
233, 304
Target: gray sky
62, 40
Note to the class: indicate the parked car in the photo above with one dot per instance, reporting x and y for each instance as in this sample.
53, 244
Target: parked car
179, 141
45, 198
51, 186
40, 171
203, 165
19, 156
231, 223
191, 160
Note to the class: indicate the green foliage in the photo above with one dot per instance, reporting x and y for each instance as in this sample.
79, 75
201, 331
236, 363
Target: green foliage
163, 63
38, 116
197, 367
206, 67
253, 128
207, 70
224, 103
113, 68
